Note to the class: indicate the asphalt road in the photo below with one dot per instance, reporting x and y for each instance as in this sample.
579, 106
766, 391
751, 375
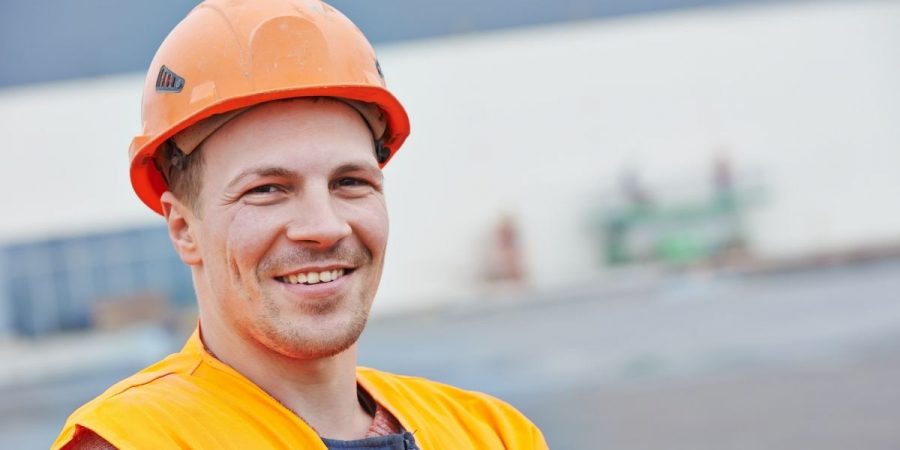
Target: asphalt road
690, 361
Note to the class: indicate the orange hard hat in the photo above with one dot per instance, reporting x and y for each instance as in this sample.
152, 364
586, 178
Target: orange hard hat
227, 55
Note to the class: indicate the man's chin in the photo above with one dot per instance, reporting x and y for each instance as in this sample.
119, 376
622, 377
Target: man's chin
315, 351
310, 344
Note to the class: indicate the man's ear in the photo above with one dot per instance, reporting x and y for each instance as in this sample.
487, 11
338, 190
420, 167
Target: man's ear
179, 218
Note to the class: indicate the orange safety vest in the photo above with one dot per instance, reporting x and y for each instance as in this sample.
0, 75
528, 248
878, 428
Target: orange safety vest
192, 400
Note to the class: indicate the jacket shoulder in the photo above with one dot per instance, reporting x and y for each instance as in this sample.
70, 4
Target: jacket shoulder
111, 413
434, 391
438, 405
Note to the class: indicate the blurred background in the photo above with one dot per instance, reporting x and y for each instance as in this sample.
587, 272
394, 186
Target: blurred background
654, 224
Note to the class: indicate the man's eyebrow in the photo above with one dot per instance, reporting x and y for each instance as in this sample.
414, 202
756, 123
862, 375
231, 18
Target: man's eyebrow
264, 171
360, 167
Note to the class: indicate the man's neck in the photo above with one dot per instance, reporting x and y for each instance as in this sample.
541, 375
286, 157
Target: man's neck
320, 391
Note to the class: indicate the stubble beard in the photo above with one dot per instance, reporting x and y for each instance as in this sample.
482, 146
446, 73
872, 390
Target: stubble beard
302, 341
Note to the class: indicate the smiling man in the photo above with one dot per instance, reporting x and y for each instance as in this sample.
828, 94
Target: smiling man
266, 124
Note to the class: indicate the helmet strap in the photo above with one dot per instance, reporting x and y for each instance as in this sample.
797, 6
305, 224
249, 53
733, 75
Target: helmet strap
382, 153
168, 158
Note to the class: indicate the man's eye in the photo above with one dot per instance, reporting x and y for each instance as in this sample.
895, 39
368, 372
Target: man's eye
350, 182
265, 189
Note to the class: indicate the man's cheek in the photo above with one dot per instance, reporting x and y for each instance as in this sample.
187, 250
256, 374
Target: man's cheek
371, 222
248, 237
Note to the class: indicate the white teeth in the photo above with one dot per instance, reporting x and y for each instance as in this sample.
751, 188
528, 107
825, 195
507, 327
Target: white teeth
315, 277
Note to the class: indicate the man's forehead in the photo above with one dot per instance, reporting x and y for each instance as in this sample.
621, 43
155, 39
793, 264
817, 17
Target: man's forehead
298, 118
290, 140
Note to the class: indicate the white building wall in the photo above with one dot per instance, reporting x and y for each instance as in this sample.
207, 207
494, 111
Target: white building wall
537, 122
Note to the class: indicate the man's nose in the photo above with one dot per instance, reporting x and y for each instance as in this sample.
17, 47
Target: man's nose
316, 220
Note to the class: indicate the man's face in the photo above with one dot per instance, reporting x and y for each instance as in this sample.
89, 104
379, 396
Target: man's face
291, 197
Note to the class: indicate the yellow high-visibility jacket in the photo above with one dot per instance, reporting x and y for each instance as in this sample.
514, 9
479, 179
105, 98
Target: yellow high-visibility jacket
192, 400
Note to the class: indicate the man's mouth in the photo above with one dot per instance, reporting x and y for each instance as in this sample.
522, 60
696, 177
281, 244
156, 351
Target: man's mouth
325, 276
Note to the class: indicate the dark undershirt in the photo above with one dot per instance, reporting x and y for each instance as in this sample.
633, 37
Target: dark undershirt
394, 441
402, 441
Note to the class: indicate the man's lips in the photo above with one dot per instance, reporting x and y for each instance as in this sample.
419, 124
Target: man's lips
316, 275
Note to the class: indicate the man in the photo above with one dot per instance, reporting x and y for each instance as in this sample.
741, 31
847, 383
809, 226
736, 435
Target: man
266, 124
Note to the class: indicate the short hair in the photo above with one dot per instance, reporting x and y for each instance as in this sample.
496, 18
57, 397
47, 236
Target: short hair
181, 172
